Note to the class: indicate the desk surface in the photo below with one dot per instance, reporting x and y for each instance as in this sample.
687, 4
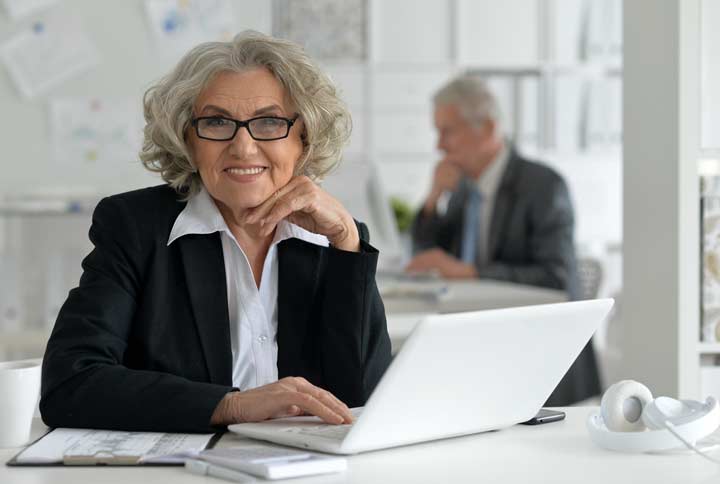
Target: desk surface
559, 452
403, 313
472, 295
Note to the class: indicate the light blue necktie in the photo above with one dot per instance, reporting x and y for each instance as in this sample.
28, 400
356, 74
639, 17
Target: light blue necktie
471, 227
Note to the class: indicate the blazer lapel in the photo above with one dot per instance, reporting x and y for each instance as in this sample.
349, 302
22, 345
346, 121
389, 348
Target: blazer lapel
298, 275
503, 205
205, 275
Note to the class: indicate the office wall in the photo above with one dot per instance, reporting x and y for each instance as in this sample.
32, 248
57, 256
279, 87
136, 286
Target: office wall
556, 76
556, 110
129, 63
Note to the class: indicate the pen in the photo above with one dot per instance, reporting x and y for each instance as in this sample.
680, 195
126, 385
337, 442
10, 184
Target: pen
202, 468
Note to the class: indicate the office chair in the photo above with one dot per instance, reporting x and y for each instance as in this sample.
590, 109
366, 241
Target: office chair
590, 273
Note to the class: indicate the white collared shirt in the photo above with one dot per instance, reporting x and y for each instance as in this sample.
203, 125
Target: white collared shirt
252, 310
488, 184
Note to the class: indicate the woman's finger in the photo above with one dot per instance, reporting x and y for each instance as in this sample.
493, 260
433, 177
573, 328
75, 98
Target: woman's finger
327, 399
311, 405
290, 204
291, 411
254, 215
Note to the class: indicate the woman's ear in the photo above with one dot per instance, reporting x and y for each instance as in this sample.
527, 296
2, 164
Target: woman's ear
303, 131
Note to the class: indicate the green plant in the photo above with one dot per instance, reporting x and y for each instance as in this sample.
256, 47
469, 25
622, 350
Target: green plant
403, 213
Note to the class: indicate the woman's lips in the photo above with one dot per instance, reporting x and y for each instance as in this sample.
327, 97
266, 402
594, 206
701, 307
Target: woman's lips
245, 174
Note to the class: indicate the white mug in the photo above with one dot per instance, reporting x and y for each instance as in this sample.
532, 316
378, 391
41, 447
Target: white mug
19, 392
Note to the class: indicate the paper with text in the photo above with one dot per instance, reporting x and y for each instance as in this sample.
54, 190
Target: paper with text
47, 53
155, 447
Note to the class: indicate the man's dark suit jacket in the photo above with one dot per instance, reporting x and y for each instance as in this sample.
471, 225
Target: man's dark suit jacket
531, 230
530, 242
144, 342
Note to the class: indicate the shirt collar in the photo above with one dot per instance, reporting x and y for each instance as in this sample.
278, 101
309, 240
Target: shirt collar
201, 216
490, 179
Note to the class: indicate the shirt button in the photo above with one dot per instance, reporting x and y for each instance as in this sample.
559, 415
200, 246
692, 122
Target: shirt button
262, 339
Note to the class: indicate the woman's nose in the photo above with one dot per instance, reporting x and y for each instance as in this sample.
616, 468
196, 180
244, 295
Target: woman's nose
243, 145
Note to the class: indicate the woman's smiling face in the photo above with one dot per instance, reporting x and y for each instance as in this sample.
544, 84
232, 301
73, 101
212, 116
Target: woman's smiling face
242, 173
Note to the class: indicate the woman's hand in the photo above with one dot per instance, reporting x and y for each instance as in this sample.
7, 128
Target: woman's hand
288, 397
307, 205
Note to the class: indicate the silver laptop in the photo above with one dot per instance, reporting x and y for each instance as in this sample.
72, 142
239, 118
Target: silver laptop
456, 374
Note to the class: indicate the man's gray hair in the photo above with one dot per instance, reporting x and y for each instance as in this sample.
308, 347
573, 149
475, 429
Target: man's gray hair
471, 94
168, 106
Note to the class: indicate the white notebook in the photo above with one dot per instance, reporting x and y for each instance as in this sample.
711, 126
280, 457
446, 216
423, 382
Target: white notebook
274, 462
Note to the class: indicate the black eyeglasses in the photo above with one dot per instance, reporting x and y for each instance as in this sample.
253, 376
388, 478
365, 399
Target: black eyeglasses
263, 128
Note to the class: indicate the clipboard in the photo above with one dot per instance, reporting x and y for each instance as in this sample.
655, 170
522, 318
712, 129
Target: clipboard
108, 458
105, 459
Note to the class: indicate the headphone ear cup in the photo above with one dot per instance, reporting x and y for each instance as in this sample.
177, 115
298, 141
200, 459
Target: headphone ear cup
623, 404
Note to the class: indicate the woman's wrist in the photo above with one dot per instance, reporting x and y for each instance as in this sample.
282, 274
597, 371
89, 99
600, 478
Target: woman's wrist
350, 239
223, 414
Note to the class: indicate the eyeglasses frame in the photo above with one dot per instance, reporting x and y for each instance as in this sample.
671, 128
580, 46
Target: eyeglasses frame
243, 124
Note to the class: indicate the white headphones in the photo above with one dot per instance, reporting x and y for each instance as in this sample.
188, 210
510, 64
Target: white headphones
630, 420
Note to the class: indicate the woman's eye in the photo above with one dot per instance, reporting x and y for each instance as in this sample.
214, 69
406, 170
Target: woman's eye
216, 122
270, 122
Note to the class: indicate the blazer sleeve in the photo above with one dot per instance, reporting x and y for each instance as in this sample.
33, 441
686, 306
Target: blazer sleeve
84, 381
551, 247
439, 230
356, 341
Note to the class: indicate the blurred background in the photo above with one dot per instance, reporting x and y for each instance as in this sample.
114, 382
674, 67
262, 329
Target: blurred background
74, 73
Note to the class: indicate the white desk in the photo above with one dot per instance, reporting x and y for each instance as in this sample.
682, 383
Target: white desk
403, 313
559, 453
472, 295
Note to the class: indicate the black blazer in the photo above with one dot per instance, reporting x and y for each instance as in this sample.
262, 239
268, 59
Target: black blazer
531, 231
144, 342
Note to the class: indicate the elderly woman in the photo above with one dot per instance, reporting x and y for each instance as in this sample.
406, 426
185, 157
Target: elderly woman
238, 291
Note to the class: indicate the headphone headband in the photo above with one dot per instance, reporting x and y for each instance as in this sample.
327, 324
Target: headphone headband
707, 422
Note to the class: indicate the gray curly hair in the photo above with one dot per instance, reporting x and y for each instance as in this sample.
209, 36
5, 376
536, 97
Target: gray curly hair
168, 106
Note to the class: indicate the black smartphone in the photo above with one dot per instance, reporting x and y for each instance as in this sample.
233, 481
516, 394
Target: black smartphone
545, 416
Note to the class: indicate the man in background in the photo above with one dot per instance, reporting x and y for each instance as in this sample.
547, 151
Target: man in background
493, 214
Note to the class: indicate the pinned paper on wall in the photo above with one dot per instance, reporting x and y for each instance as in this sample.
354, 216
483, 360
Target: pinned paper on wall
47, 53
338, 28
178, 25
87, 130
18, 9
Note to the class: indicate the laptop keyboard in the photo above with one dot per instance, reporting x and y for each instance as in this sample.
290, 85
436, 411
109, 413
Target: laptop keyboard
328, 431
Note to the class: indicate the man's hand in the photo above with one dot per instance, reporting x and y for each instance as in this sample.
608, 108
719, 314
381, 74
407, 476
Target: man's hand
439, 261
288, 397
446, 179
